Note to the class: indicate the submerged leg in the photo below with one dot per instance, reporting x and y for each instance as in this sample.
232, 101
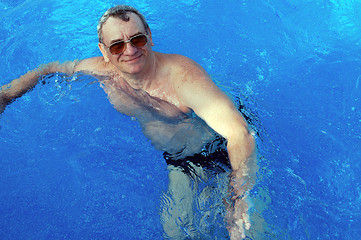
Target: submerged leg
177, 207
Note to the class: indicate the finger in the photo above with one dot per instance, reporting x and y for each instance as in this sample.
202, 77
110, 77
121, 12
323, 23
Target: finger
241, 230
236, 233
246, 221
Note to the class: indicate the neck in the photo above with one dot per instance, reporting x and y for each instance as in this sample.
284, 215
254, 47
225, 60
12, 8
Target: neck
143, 79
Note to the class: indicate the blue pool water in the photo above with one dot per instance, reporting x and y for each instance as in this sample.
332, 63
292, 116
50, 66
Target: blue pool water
72, 167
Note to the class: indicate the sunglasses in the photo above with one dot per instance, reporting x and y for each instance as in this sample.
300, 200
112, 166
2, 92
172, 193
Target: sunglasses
119, 47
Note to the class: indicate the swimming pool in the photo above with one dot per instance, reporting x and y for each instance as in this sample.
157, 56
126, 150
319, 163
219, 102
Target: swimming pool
74, 168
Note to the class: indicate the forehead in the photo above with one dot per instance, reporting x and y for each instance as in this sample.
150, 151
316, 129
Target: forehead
116, 28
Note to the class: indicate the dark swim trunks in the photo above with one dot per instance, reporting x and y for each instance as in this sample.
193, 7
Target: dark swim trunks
216, 161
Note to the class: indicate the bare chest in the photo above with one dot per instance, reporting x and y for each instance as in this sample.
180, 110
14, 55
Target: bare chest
168, 94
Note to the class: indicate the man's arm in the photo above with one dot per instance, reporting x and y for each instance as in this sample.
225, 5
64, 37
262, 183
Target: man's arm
23, 84
197, 91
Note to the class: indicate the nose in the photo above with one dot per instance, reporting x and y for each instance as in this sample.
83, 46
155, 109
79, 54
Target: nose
129, 49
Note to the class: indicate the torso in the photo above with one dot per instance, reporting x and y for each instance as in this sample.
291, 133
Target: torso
165, 120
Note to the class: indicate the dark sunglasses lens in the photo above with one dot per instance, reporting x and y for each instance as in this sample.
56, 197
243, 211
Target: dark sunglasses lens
139, 41
117, 48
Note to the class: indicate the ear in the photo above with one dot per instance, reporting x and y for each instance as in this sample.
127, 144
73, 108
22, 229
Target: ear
150, 37
104, 52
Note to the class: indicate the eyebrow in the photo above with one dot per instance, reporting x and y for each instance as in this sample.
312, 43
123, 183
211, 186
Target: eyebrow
118, 40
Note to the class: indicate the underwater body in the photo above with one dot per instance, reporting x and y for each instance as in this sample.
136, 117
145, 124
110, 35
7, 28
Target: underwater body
75, 168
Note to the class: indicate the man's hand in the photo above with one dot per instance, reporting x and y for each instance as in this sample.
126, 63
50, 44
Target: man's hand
238, 218
3, 103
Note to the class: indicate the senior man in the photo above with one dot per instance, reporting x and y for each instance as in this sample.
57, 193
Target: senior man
178, 106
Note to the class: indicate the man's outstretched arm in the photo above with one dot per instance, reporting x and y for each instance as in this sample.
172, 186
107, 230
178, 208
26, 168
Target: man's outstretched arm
21, 85
26, 82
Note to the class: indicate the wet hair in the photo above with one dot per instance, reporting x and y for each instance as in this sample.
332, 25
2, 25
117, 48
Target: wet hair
121, 12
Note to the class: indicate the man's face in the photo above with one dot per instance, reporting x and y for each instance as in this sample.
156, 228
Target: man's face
133, 60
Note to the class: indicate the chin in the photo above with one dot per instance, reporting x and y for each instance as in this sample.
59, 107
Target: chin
134, 68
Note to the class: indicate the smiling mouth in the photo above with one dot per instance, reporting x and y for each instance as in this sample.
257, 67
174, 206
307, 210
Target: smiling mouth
133, 59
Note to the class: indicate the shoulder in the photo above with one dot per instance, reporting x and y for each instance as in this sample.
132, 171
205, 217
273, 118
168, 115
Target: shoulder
95, 65
181, 62
190, 81
182, 68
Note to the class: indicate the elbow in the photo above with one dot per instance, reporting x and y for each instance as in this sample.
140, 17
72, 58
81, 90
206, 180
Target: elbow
242, 139
248, 141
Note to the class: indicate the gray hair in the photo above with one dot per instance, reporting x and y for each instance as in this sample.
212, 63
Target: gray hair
120, 11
